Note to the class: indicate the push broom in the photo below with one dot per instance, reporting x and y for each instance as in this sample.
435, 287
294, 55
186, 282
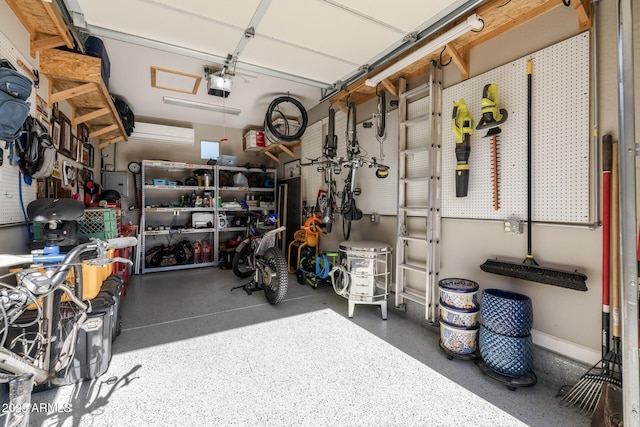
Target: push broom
586, 392
529, 269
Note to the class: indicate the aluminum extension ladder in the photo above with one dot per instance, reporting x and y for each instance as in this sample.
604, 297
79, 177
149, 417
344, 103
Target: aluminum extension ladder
419, 171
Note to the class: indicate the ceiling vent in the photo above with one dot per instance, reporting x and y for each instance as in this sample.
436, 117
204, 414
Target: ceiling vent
150, 132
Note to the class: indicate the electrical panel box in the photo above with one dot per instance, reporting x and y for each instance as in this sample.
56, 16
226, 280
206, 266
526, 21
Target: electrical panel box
118, 181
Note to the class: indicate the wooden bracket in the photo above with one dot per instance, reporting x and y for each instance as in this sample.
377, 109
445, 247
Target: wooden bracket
64, 95
108, 142
342, 106
585, 13
389, 87
461, 59
92, 115
103, 130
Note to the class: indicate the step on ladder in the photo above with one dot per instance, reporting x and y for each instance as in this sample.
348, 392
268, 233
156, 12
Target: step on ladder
419, 171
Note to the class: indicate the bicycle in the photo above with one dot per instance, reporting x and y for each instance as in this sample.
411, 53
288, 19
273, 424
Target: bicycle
257, 255
46, 302
348, 207
329, 167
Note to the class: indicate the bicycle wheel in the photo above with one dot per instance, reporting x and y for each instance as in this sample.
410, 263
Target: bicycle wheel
63, 319
241, 263
381, 116
344, 206
352, 142
275, 280
346, 227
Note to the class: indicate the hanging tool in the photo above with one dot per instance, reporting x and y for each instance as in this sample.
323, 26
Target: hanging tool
529, 268
492, 118
462, 126
586, 392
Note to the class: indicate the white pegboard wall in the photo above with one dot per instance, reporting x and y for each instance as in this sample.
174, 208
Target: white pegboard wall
10, 207
560, 139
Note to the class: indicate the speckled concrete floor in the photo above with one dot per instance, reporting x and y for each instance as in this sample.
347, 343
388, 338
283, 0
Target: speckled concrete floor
192, 353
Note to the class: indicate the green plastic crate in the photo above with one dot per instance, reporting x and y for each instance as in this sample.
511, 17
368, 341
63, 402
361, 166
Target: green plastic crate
99, 224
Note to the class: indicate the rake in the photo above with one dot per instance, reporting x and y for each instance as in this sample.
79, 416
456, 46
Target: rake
586, 392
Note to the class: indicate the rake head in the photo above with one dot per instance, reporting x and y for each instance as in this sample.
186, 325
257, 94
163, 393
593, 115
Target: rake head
586, 392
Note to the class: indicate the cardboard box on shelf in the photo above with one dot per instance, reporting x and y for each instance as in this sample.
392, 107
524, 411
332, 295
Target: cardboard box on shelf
253, 140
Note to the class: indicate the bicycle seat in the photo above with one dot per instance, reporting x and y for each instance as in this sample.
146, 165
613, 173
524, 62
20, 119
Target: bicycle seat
45, 210
352, 213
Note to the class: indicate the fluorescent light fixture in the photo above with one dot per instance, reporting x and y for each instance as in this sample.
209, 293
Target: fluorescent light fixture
473, 22
200, 105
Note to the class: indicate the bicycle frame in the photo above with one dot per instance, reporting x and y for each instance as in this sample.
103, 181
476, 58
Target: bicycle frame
34, 285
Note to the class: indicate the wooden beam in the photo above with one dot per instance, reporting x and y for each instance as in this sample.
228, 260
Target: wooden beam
17, 10
46, 43
272, 156
54, 14
585, 13
389, 87
103, 130
461, 60
520, 18
73, 92
108, 142
342, 107
92, 115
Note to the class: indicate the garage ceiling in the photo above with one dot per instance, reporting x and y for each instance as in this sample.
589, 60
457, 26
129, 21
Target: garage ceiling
296, 47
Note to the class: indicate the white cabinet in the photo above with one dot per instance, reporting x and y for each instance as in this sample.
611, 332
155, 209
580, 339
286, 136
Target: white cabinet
178, 204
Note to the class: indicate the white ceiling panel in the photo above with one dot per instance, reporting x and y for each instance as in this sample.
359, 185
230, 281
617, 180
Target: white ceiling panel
306, 40
411, 15
162, 24
324, 28
272, 54
132, 79
235, 13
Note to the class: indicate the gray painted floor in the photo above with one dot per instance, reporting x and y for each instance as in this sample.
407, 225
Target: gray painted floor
192, 353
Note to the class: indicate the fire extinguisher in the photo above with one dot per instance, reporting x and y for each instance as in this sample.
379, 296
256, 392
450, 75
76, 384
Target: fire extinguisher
197, 253
207, 249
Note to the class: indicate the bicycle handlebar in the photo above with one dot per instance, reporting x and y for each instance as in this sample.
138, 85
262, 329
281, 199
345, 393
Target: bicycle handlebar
121, 242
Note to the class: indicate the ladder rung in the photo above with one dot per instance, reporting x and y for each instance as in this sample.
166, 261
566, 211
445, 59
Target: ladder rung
422, 239
414, 296
414, 210
414, 150
416, 120
416, 91
415, 179
412, 267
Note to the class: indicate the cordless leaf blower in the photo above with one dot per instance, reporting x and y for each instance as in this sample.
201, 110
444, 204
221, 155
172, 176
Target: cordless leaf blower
462, 126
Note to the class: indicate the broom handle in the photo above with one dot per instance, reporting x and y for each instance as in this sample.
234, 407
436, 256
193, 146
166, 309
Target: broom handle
529, 158
615, 243
606, 241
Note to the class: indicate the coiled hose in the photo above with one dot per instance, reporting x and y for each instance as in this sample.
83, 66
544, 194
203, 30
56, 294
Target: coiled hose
282, 130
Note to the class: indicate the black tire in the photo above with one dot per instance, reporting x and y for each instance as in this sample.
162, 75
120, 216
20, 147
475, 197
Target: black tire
275, 284
346, 228
381, 118
273, 108
240, 265
300, 276
352, 142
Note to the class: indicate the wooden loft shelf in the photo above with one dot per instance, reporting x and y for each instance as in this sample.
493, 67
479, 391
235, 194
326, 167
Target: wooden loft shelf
274, 151
44, 23
77, 79
73, 77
